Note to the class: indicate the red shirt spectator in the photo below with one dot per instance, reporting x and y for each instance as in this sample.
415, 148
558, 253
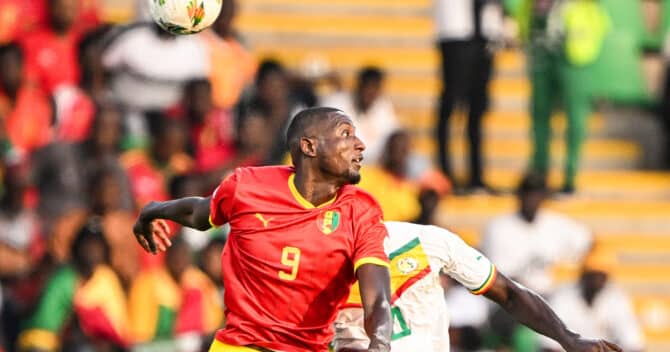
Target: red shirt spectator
52, 57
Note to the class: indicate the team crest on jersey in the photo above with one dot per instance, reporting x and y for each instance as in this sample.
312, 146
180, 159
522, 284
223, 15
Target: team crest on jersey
407, 265
328, 221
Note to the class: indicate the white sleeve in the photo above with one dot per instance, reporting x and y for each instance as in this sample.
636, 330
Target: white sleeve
461, 262
625, 326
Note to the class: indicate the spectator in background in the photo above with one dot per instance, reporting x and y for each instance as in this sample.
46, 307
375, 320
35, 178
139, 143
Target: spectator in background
76, 105
51, 51
150, 171
467, 32
608, 308
563, 38
527, 243
370, 110
212, 129
25, 111
232, 66
176, 301
402, 204
153, 78
83, 306
273, 95
665, 103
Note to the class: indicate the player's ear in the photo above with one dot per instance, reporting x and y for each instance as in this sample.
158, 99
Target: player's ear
308, 146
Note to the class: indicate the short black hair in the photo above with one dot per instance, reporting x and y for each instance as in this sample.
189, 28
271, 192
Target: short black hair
191, 84
533, 182
370, 74
304, 120
267, 67
11, 48
91, 231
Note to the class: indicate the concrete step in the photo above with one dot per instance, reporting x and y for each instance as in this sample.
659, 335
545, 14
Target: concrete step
601, 216
496, 123
596, 184
515, 153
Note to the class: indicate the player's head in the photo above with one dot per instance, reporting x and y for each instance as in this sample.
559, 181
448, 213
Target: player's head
107, 127
223, 24
396, 152
324, 139
197, 96
106, 189
178, 257
11, 61
90, 248
62, 14
532, 192
368, 86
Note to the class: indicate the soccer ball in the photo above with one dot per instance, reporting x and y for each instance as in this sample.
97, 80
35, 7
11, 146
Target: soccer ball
184, 16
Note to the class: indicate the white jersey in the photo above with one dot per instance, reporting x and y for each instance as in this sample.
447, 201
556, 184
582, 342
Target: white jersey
417, 254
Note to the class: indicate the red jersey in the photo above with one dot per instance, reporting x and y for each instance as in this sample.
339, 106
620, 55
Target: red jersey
288, 265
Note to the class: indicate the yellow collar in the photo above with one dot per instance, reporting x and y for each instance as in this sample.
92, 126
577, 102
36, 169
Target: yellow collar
300, 199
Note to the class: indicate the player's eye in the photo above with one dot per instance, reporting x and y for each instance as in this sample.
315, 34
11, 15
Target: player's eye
346, 133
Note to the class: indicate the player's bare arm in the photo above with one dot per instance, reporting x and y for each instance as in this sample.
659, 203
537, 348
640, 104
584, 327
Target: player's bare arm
531, 310
374, 281
151, 231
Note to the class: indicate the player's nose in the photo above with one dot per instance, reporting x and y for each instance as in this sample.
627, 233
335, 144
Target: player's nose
358, 144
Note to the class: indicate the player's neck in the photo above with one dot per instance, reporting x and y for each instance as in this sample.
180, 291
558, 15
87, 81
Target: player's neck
316, 190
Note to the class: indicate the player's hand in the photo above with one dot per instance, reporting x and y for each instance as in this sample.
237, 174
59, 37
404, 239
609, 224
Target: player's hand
588, 345
152, 235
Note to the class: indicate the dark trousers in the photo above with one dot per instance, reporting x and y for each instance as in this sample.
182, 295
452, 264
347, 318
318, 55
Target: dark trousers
466, 72
665, 117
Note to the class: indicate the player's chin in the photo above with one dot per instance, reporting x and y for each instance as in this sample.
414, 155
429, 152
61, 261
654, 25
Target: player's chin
354, 177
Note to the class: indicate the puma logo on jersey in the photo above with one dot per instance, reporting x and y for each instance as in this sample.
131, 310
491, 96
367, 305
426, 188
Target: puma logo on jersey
262, 219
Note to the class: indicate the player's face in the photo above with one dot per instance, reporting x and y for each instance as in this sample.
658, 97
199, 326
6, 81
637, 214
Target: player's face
340, 152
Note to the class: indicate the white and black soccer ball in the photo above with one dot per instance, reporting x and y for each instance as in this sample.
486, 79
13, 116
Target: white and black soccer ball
184, 16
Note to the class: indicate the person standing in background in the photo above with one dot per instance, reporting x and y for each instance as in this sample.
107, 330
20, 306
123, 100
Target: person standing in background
467, 31
563, 39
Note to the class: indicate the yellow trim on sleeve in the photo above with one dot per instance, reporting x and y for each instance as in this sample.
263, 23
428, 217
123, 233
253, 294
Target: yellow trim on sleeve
218, 346
211, 223
493, 273
40, 339
370, 260
300, 199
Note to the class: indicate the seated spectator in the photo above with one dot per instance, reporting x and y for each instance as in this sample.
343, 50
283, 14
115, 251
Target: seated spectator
232, 66
25, 111
102, 149
527, 243
371, 111
51, 51
106, 203
212, 131
403, 203
608, 308
174, 301
76, 105
83, 306
150, 172
273, 94
21, 241
20, 17
153, 78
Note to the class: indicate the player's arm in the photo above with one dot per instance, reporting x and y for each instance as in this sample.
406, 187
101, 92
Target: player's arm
374, 281
152, 232
533, 311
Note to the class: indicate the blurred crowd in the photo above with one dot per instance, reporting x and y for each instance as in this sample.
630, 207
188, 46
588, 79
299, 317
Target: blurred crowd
99, 119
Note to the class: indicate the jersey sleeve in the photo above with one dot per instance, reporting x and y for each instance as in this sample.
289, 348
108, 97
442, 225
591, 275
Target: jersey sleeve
222, 201
461, 262
369, 237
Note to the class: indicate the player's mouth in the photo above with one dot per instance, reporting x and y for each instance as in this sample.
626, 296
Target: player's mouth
357, 161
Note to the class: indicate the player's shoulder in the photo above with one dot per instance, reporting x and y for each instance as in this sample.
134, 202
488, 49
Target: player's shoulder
362, 197
262, 174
